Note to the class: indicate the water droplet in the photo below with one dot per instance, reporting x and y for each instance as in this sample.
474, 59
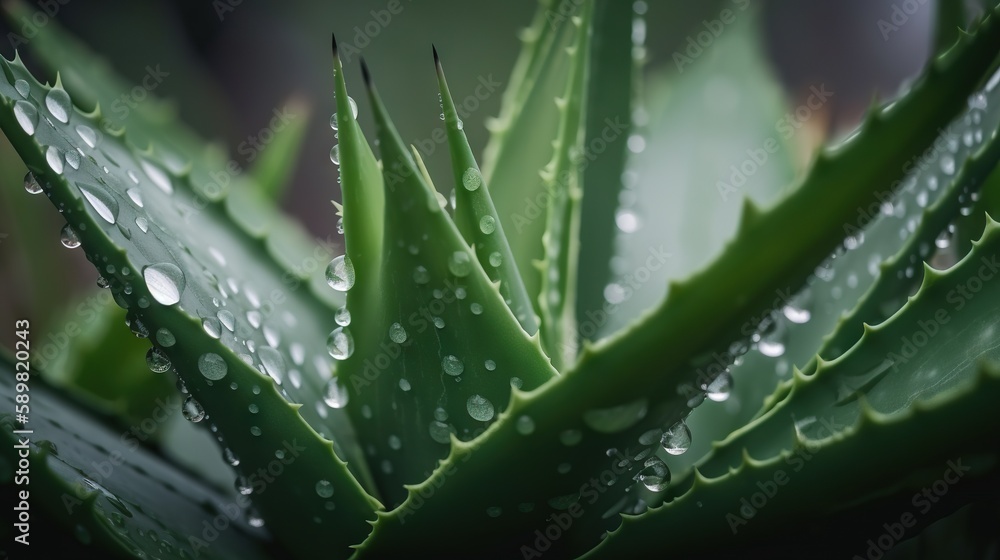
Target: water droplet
54, 158
655, 475
340, 343
192, 410
718, 390
157, 361
335, 154
324, 489
336, 395
677, 439
771, 348
142, 224
227, 319
570, 438
31, 184
947, 164
525, 425
255, 430
487, 224
397, 333
476, 309
421, 275
68, 237
157, 176
490, 365
100, 200
22, 88
472, 179
273, 362
212, 366
165, 282
212, 327
494, 511
342, 317
87, 134
340, 274
460, 264
58, 103
516, 382
479, 408
452, 365
27, 116
165, 338
796, 315
496, 259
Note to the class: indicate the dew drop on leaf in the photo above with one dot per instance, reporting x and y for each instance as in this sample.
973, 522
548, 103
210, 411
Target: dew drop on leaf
487, 224
27, 116
31, 184
655, 475
212, 366
68, 237
397, 333
677, 439
212, 327
340, 274
54, 158
324, 489
452, 365
335, 395
720, 387
58, 103
340, 343
480, 408
471, 179
22, 88
165, 338
99, 198
165, 282
192, 410
460, 264
157, 361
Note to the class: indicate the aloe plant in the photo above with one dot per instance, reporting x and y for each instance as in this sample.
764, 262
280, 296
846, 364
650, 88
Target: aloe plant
453, 382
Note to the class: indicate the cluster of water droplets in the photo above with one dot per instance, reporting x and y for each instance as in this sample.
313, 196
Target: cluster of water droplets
335, 150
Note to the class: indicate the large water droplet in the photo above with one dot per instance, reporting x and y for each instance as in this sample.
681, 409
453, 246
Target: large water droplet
100, 200
22, 87
158, 177
335, 395
496, 259
340, 343
720, 387
31, 184
68, 237
192, 410
212, 327
87, 134
227, 319
452, 365
397, 333
165, 282
460, 264
273, 362
58, 103
27, 116
54, 158
335, 154
212, 366
487, 225
342, 317
677, 439
340, 274
324, 489
165, 338
157, 361
472, 179
480, 408
655, 475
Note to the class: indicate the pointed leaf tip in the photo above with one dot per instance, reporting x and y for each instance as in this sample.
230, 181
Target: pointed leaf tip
333, 43
365, 73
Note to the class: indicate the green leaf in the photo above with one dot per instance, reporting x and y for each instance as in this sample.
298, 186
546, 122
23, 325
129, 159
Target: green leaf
188, 267
930, 370
563, 183
275, 166
117, 498
437, 351
616, 59
661, 365
521, 137
477, 218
